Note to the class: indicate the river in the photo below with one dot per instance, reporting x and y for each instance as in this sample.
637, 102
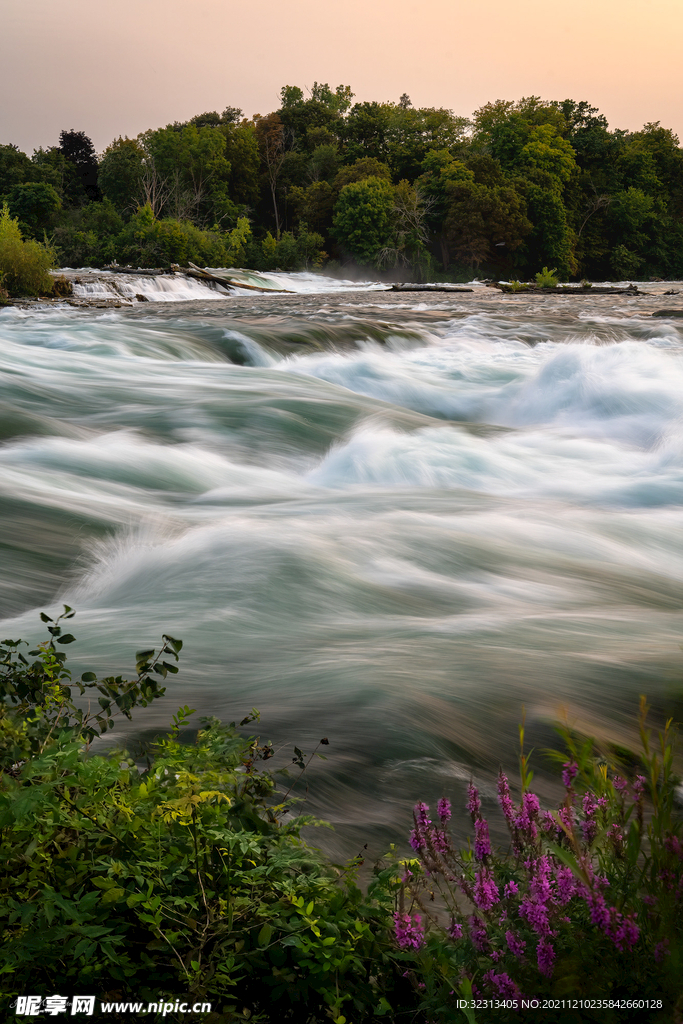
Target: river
392, 520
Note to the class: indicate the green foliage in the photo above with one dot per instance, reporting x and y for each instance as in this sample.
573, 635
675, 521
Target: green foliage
37, 694
363, 218
185, 874
547, 279
35, 205
24, 265
120, 174
15, 168
236, 243
79, 152
523, 184
146, 241
292, 252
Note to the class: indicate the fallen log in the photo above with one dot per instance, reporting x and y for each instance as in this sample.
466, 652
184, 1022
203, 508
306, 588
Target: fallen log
510, 289
429, 288
230, 282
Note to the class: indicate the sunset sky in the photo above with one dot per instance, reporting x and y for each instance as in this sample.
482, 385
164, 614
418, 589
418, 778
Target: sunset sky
112, 69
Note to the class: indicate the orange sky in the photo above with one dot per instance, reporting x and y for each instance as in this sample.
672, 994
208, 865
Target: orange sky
116, 68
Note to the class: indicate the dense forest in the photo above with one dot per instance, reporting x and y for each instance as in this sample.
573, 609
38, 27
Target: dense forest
383, 186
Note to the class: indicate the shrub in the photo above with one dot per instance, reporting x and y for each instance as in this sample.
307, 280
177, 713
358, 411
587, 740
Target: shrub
183, 875
24, 265
547, 278
585, 904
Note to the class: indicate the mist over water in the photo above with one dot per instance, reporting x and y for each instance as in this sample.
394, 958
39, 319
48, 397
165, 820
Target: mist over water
390, 520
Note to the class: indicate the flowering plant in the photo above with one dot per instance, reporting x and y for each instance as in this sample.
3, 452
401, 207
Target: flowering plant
586, 901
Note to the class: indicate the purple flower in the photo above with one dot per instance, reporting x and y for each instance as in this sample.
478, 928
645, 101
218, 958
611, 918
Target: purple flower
619, 783
473, 801
482, 843
540, 888
421, 812
511, 889
589, 804
567, 818
455, 929
504, 798
600, 915
626, 934
570, 768
639, 786
416, 840
549, 823
422, 823
438, 840
485, 893
516, 945
444, 809
502, 984
531, 805
589, 830
614, 834
409, 931
525, 822
566, 885
545, 955
536, 914
478, 934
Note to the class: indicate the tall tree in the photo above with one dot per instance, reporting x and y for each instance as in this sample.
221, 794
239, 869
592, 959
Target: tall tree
78, 149
270, 133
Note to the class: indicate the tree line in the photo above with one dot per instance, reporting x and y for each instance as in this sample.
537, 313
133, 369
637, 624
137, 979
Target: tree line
519, 186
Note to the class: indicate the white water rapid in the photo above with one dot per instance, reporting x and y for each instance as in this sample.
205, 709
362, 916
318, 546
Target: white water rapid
392, 520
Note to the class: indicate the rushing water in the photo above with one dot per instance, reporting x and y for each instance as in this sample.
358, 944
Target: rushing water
392, 520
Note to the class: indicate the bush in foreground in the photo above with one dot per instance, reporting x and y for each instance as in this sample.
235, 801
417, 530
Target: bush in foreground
189, 876
583, 911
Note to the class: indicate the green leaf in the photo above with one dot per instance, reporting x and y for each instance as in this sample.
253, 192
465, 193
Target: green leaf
68, 638
264, 935
44, 617
114, 895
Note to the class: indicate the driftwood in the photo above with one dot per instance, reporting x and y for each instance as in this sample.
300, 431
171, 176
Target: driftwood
428, 288
510, 289
675, 313
230, 282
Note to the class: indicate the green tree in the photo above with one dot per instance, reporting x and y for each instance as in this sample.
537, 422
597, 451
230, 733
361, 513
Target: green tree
121, 172
78, 149
187, 163
270, 133
364, 167
314, 205
363, 223
481, 220
15, 168
35, 204
242, 155
408, 247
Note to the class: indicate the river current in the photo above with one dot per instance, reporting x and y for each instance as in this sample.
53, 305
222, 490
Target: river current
393, 520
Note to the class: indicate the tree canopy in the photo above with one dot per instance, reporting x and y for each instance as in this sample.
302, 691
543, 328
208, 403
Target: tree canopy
519, 185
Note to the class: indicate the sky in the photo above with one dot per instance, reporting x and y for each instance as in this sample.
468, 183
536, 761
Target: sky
118, 68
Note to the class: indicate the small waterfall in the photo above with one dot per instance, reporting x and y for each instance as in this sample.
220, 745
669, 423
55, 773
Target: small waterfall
132, 288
